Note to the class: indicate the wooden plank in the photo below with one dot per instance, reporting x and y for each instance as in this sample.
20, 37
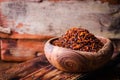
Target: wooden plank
21, 50
39, 69
35, 69
26, 17
14, 35
23, 69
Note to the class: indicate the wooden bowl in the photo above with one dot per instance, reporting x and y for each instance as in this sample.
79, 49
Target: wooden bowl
78, 61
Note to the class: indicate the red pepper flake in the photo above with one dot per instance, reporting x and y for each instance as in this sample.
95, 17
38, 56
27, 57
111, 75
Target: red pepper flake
79, 39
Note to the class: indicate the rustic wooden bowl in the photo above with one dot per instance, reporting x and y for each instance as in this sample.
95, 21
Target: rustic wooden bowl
78, 61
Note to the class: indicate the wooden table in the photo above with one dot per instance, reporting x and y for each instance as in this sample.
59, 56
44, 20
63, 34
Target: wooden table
40, 69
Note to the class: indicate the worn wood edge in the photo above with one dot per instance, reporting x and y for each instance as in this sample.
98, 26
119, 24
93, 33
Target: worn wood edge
25, 36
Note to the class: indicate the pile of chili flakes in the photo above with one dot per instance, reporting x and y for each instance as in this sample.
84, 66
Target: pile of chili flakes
79, 39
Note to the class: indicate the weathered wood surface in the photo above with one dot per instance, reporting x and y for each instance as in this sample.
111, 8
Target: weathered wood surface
22, 69
37, 69
22, 49
57, 16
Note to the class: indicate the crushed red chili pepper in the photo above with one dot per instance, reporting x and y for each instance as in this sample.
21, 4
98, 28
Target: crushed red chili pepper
79, 39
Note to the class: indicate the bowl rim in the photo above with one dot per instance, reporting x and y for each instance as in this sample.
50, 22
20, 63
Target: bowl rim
84, 52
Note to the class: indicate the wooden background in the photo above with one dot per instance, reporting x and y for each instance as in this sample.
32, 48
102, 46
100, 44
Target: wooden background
56, 16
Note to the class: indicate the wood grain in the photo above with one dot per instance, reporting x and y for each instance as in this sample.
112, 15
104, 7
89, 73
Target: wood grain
14, 35
40, 69
22, 69
78, 61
